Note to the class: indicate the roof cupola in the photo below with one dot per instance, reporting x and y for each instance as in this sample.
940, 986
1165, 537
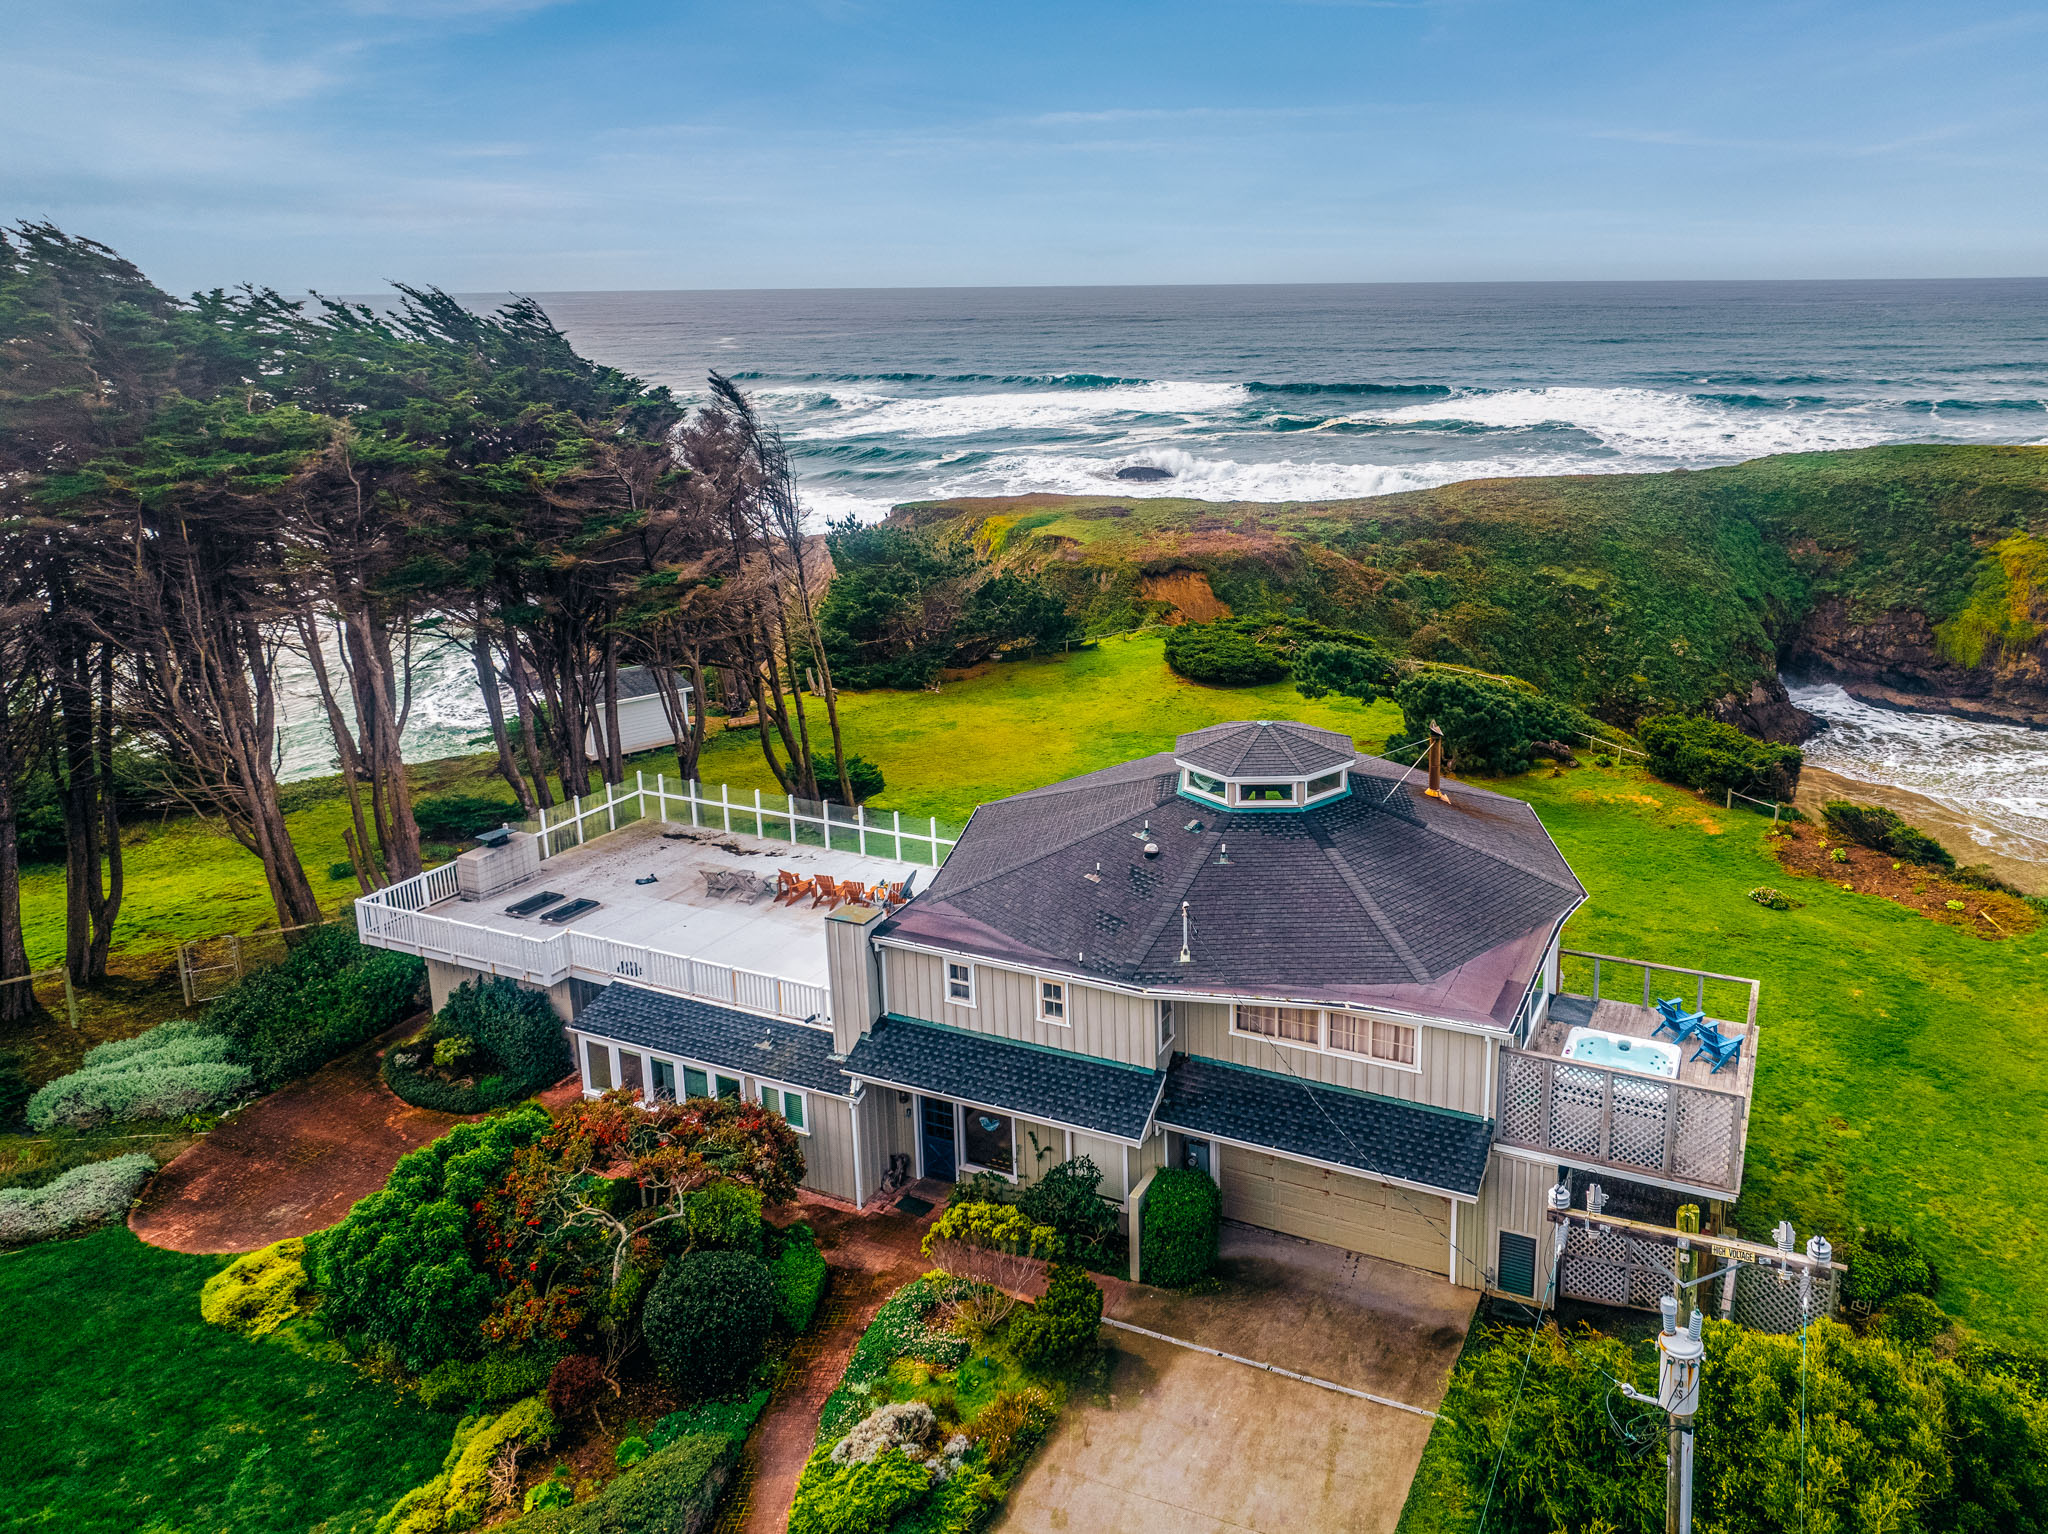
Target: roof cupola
1263, 764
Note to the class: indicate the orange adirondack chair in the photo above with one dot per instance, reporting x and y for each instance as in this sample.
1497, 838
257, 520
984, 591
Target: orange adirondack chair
792, 888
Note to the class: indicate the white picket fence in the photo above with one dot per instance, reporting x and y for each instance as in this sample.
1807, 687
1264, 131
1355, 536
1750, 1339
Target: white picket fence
397, 916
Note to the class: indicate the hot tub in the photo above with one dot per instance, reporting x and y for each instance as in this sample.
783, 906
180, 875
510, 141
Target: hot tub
1618, 1051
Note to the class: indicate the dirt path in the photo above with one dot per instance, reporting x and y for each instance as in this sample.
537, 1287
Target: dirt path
871, 1257
290, 1164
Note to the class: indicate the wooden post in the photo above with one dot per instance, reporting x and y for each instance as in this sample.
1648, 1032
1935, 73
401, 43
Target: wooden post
70, 999
661, 797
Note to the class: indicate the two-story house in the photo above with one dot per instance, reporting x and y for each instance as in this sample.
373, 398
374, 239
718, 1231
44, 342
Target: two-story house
1261, 953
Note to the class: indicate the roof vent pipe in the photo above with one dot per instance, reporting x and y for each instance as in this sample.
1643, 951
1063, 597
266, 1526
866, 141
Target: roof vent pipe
1436, 760
1185, 956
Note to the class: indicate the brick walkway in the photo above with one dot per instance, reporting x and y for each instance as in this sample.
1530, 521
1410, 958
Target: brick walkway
871, 1256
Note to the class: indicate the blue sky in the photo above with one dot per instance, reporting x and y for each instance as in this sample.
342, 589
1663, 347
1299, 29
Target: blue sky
542, 145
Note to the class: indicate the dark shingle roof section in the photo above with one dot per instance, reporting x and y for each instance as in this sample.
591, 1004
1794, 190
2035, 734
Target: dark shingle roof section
1077, 1090
795, 1054
1252, 748
639, 682
1376, 1135
1377, 895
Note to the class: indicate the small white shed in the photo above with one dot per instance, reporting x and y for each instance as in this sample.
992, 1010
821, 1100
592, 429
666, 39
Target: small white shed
643, 723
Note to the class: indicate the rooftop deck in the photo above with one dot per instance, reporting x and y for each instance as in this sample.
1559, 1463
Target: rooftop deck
669, 934
1689, 1134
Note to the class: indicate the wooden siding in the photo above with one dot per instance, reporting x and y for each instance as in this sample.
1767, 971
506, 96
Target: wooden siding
1108, 1156
1513, 1197
849, 971
1355, 1213
1106, 1024
1455, 1067
1040, 1148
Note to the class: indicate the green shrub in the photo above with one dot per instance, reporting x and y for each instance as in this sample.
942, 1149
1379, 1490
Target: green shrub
1058, 1334
728, 1419
259, 1292
898, 1331
1489, 723
1181, 1223
460, 1495
141, 1087
1353, 669
516, 1030
326, 996
555, 1491
1885, 1262
865, 776
860, 1498
707, 1319
1707, 754
397, 1270
725, 1217
458, 817
1884, 830
1068, 1199
83, 1196
503, 1374
630, 1452
799, 1273
1011, 1426
672, 1491
1912, 1320
1222, 654
1772, 899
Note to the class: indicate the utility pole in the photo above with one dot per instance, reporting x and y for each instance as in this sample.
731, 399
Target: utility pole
1680, 1356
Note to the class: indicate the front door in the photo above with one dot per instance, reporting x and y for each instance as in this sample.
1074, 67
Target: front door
940, 1159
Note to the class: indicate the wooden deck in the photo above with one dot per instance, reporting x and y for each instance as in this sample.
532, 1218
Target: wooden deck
1568, 1012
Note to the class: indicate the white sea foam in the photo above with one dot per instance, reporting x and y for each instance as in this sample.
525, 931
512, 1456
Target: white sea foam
966, 415
1655, 424
1995, 775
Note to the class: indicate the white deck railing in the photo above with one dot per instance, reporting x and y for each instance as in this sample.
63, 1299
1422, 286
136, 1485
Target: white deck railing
774, 817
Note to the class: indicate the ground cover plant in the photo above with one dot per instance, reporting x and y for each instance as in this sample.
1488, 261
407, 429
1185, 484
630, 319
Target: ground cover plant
171, 1070
127, 1411
85, 1195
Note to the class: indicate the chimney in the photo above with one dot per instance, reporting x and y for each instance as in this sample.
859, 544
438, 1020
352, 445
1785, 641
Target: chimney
1436, 761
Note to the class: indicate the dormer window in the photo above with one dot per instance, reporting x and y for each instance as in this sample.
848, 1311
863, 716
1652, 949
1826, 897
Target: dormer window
1201, 783
1265, 793
1328, 783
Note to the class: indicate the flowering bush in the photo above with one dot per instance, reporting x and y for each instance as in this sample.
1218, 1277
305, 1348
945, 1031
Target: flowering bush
170, 1071
83, 1196
906, 1425
1771, 899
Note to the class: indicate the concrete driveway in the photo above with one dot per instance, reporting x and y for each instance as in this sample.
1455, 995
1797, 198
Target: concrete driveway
1192, 1443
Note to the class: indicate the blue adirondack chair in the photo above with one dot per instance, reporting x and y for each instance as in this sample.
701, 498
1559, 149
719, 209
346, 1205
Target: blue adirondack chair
1721, 1048
1679, 1023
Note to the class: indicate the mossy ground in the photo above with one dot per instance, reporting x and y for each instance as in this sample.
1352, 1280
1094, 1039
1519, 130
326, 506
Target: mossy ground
1903, 1066
126, 1411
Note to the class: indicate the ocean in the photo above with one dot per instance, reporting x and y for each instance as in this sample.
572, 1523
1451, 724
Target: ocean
1315, 392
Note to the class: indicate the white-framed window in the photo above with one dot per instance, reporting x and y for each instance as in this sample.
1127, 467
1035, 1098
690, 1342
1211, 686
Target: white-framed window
1328, 783
1201, 783
664, 1079
960, 984
597, 1059
1052, 1002
788, 1102
1374, 1037
1265, 793
1165, 1025
1296, 1025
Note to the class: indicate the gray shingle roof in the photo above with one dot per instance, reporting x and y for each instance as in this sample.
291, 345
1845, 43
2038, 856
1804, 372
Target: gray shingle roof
1264, 747
639, 682
796, 1054
1377, 1135
1378, 895
1077, 1090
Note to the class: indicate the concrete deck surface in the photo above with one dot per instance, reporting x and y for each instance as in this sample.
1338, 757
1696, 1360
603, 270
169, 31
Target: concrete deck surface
674, 914
1190, 1443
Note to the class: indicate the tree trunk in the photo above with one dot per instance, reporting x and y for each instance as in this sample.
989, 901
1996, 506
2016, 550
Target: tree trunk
369, 874
17, 1000
529, 741
615, 748
110, 836
487, 679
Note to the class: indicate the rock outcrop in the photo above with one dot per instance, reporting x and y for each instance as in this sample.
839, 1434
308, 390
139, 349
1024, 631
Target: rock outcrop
1892, 659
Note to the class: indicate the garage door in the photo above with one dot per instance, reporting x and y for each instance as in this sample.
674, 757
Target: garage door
1355, 1213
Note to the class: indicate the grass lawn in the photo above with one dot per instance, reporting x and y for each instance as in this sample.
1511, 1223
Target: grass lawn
125, 1411
1903, 1071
